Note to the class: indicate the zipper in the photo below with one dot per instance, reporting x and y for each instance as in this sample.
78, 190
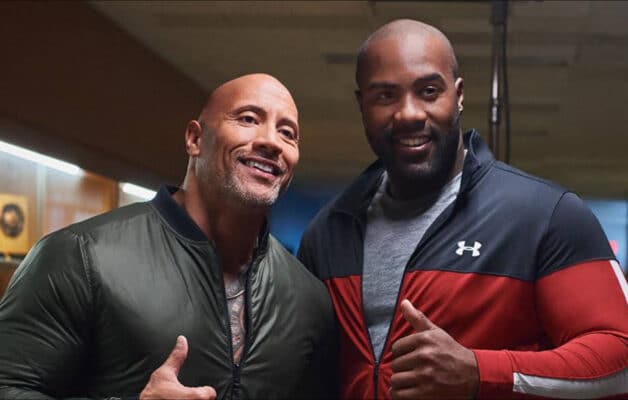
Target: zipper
361, 224
247, 336
392, 319
375, 377
236, 367
229, 340
361, 230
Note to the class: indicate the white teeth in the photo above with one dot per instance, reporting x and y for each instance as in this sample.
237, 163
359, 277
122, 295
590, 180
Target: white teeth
260, 166
412, 141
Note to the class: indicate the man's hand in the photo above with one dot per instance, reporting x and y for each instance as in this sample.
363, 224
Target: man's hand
430, 363
164, 384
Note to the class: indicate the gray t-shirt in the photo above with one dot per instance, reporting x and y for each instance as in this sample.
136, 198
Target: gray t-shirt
393, 230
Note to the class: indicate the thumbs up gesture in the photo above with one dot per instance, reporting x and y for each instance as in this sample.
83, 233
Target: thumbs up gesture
164, 382
429, 363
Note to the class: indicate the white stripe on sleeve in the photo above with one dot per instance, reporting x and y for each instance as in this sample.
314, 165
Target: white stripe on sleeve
572, 388
620, 277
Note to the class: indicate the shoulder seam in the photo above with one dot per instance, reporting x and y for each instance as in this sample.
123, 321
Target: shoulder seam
545, 233
524, 175
85, 264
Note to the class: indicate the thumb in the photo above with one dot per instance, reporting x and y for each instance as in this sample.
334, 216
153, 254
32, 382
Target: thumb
178, 355
415, 317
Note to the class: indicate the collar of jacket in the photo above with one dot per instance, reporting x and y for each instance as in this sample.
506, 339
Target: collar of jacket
356, 199
179, 220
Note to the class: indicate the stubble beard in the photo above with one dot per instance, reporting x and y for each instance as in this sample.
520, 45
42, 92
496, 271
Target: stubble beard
233, 190
237, 191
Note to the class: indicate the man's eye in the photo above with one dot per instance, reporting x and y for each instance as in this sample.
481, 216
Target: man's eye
247, 119
430, 91
289, 133
384, 96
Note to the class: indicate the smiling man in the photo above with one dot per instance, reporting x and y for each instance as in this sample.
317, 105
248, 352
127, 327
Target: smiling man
454, 275
96, 308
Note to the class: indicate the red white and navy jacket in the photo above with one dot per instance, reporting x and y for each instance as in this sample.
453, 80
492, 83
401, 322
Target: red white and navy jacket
516, 269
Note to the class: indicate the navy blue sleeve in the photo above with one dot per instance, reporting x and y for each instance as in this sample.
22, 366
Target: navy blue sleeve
573, 236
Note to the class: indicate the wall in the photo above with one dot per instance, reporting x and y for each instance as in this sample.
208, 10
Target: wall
54, 199
76, 87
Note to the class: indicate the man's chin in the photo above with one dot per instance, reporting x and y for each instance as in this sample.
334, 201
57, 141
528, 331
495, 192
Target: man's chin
419, 177
250, 197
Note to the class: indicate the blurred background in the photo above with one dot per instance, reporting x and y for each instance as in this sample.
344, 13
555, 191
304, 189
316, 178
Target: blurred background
108, 87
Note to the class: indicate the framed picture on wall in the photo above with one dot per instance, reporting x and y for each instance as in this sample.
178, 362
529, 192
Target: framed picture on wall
13, 224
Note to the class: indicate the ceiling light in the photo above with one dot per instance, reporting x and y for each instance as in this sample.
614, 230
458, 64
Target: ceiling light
40, 159
137, 191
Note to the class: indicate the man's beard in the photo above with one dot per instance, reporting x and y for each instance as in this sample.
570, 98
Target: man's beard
232, 189
236, 190
438, 172
442, 163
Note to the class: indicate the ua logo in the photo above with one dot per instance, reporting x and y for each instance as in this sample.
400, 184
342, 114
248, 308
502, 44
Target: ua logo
475, 250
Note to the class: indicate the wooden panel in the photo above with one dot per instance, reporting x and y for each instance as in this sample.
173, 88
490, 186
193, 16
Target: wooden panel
69, 199
6, 271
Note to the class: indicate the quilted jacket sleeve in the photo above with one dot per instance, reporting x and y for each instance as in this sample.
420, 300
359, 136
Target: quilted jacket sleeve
44, 322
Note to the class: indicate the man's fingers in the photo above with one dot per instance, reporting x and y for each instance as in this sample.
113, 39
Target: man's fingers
405, 394
415, 317
205, 393
403, 361
177, 391
402, 380
178, 355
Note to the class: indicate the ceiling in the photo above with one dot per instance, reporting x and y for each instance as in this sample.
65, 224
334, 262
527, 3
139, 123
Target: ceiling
567, 66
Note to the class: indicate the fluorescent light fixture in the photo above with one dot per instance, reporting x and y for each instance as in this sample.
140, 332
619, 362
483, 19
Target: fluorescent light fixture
40, 159
137, 191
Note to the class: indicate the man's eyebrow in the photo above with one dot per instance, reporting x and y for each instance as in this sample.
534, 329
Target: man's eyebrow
420, 80
250, 107
381, 85
429, 78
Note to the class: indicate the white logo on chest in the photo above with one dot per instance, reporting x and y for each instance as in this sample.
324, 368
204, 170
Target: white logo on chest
475, 249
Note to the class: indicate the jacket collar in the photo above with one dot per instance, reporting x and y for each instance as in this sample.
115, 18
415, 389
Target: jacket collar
179, 220
477, 161
355, 200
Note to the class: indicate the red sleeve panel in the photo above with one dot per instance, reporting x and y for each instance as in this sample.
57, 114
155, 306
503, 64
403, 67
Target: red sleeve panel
584, 311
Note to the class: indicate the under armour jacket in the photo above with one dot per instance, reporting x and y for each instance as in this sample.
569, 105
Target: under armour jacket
516, 269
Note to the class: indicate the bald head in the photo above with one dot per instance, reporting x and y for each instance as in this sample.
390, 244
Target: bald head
401, 30
250, 84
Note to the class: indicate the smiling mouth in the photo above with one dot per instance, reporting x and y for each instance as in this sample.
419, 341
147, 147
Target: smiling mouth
261, 166
412, 141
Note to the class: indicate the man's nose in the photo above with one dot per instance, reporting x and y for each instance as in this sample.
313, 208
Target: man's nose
267, 140
410, 110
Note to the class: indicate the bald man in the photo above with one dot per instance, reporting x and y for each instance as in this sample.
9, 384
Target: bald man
95, 309
454, 275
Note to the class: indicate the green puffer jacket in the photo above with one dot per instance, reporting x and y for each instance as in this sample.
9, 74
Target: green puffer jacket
95, 308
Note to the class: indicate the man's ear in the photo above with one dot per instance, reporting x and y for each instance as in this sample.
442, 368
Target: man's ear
193, 138
460, 92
